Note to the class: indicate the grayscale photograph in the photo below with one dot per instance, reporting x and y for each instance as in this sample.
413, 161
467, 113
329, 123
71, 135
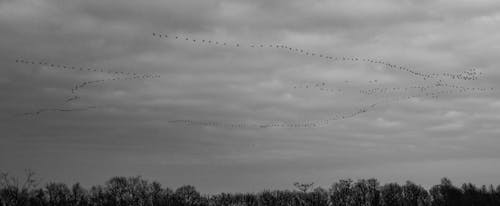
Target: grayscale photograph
250, 102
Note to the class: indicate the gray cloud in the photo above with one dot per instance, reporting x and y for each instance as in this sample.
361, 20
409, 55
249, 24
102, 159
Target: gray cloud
130, 134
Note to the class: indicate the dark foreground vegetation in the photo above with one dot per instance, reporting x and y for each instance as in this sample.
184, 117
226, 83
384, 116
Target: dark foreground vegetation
137, 191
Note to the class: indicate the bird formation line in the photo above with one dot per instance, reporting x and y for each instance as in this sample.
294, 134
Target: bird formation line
74, 68
117, 76
100, 81
435, 85
386, 90
433, 90
277, 123
321, 86
315, 123
470, 74
44, 110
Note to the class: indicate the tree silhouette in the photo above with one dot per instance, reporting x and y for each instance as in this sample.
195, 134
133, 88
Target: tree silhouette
188, 195
15, 191
445, 194
415, 195
391, 195
58, 194
79, 195
137, 191
341, 193
303, 187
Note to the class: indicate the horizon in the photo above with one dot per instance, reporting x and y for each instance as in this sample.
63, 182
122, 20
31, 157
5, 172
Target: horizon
39, 183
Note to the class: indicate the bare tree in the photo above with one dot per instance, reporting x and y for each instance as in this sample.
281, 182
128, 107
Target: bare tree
15, 191
303, 187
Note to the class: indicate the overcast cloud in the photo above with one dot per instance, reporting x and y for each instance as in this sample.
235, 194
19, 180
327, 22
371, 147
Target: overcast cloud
128, 133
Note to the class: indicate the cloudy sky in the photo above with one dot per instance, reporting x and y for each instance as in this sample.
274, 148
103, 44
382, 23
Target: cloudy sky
122, 127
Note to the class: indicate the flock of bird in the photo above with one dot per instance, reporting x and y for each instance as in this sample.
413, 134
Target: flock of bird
438, 87
116, 76
471, 74
43, 110
321, 86
434, 85
276, 123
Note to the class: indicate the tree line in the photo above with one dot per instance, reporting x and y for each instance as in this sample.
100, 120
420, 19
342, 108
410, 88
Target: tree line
346, 192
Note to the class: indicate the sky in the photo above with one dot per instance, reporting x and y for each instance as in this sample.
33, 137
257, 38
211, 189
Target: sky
225, 114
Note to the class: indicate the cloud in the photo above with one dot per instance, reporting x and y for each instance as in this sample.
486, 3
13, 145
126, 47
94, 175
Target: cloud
453, 114
448, 126
381, 122
208, 82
